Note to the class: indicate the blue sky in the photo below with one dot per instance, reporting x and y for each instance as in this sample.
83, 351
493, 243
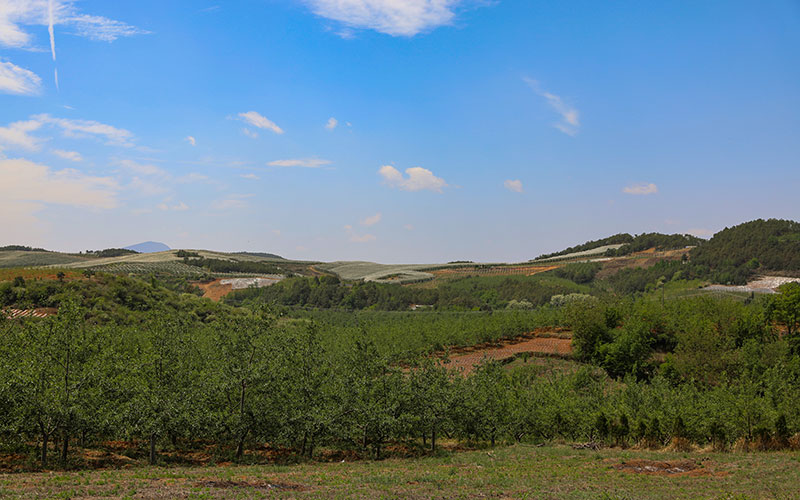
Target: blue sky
415, 131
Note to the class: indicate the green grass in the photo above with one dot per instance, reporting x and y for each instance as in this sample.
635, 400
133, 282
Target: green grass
519, 471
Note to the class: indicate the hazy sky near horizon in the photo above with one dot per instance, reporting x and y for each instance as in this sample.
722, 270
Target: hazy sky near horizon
415, 131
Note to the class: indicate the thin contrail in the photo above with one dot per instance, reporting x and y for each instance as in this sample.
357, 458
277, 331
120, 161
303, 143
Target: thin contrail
52, 36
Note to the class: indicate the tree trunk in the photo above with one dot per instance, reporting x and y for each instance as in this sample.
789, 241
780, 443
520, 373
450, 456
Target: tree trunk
424, 439
64, 449
45, 435
152, 459
240, 447
433, 439
311, 448
303, 445
492, 438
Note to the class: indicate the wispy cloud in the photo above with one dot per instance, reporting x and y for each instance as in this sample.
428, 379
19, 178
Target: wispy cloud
249, 133
25, 181
392, 17
372, 220
68, 155
513, 185
358, 238
640, 189
191, 140
570, 118
17, 80
143, 168
300, 162
252, 177
332, 123
234, 201
416, 179
17, 135
180, 207
258, 120
15, 15
102, 29
88, 128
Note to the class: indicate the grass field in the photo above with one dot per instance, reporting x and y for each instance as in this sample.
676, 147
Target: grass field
519, 471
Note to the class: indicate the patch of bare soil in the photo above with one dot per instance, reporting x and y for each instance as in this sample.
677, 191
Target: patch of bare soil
542, 343
684, 467
215, 290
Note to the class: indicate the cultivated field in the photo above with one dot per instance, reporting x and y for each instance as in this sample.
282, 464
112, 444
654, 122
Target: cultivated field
518, 471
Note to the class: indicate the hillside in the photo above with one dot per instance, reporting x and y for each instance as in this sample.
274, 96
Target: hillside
734, 254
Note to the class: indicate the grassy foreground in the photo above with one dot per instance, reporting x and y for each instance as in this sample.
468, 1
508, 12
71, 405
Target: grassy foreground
520, 471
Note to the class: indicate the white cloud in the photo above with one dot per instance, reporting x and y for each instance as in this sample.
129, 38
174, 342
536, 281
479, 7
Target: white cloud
16, 80
68, 155
357, 238
570, 119
515, 185
252, 177
234, 201
408, 227
372, 220
392, 17
102, 29
249, 133
16, 135
28, 182
417, 179
180, 207
88, 128
300, 162
146, 187
143, 168
332, 123
640, 189
191, 140
260, 121
14, 14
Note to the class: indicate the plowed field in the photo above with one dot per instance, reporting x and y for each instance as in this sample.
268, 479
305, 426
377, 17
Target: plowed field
467, 361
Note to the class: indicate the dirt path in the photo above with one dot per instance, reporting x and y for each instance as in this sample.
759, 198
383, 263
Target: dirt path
467, 361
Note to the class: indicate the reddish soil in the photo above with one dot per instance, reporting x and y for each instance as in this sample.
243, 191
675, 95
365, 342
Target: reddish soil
41, 312
468, 358
215, 290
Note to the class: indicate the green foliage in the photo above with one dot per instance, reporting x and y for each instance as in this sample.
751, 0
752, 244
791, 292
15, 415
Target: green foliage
590, 245
658, 241
579, 272
730, 254
469, 293
233, 266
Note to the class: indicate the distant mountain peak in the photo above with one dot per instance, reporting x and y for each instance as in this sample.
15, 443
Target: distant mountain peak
148, 247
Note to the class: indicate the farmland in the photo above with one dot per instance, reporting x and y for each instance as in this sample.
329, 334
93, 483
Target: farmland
631, 357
